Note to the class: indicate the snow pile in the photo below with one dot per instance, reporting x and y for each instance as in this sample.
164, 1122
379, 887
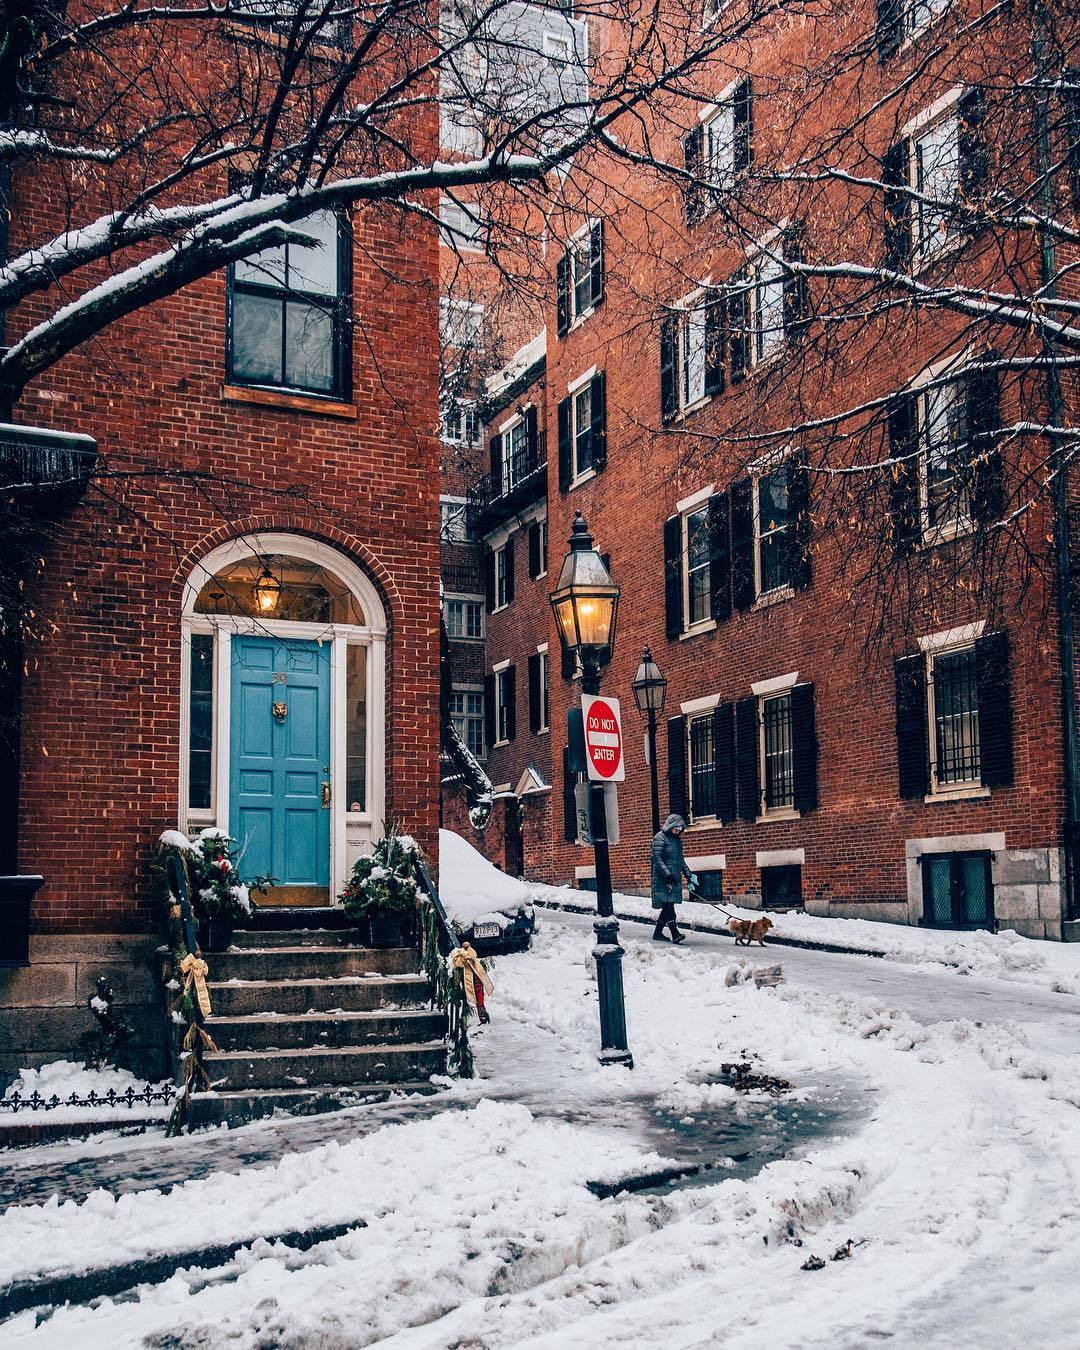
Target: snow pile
472, 889
63, 1077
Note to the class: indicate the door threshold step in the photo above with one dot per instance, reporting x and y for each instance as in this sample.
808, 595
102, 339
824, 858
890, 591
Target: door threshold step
328, 1052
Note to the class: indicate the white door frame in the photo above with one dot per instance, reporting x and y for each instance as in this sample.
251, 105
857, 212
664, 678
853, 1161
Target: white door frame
351, 832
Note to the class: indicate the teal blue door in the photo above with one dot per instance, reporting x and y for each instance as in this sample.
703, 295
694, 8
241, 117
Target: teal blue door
279, 761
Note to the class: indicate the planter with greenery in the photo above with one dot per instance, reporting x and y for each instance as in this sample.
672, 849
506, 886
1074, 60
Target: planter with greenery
381, 893
219, 898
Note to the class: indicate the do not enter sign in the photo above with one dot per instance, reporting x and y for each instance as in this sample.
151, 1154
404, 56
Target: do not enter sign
603, 739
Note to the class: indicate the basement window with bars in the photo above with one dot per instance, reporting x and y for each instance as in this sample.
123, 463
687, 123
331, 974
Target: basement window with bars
777, 754
953, 698
958, 891
702, 766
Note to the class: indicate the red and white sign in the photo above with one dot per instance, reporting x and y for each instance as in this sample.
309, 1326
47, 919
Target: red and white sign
603, 738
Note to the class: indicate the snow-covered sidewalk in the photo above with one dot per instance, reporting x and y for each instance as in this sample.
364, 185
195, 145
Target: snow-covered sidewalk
956, 1175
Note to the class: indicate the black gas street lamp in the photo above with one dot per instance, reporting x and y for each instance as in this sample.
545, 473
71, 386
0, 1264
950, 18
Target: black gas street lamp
585, 602
650, 691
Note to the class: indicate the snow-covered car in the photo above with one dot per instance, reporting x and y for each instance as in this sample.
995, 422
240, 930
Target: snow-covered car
485, 907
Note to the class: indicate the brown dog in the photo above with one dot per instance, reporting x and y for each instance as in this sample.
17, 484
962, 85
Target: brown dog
745, 931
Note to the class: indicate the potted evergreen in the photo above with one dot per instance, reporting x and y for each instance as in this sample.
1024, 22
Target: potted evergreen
219, 899
381, 893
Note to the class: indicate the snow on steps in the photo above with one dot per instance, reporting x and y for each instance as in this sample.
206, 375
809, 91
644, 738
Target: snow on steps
307, 1020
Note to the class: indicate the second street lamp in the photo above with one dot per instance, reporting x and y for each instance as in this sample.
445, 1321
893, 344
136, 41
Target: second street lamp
585, 602
650, 691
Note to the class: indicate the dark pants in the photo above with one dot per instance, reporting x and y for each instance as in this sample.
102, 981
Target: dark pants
666, 917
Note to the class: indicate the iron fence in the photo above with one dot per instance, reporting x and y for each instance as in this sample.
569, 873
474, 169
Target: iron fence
149, 1096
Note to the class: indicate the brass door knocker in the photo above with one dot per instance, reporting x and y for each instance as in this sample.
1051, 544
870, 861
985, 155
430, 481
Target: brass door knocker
280, 711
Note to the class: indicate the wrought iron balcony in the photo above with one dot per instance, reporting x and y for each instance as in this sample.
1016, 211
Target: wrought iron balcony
521, 480
42, 471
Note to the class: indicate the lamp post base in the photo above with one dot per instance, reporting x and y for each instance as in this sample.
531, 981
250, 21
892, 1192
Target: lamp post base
608, 956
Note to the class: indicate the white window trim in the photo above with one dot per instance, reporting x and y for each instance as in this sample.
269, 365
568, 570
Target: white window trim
473, 689
542, 521
577, 318
575, 386
500, 666
924, 120
725, 95
699, 705
499, 669
682, 309
542, 650
938, 111
940, 644
468, 599
496, 550
707, 624
779, 684
695, 499
912, 35
573, 389
955, 528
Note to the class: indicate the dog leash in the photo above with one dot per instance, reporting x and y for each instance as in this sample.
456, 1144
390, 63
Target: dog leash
693, 895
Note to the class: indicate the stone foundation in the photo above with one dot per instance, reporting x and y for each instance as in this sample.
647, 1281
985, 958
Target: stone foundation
43, 1012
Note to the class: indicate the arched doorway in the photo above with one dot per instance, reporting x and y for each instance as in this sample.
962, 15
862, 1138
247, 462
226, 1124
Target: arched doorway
282, 710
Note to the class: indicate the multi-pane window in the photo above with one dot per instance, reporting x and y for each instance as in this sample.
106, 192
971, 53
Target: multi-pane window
460, 424
581, 276
467, 714
465, 618
579, 282
502, 577
953, 696
504, 695
582, 413
778, 759
288, 312
453, 522
461, 323
719, 144
768, 307
693, 348
935, 168
462, 226
943, 430
774, 525
697, 601
201, 712
702, 768
919, 14
355, 727
514, 443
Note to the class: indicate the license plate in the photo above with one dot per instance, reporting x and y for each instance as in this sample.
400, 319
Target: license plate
483, 930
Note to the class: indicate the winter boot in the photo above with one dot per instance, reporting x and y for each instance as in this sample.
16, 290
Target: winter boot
659, 935
676, 936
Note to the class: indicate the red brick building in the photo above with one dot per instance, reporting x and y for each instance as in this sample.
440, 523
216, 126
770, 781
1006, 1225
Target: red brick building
905, 762
261, 526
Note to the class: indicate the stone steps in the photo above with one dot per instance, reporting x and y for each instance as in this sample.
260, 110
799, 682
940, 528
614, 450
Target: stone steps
356, 993
291, 937
233, 1108
305, 962
319, 1067
270, 1031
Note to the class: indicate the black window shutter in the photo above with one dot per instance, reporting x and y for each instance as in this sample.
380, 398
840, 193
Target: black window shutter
796, 308
565, 456
742, 108
673, 616
495, 461
724, 760
596, 259
490, 735
535, 567
676, 765
905, 506
489, 580
510, 678
743, 590
569, 804
804, 747
889, 27
532, 436
983, 396
562, 294
912, 755
598, 405
714, 343
693, 155
972, 147
746, 758
896, 203
534, 693
719, 557
669, 393
995, 709
799, 506
508, 549
738, 328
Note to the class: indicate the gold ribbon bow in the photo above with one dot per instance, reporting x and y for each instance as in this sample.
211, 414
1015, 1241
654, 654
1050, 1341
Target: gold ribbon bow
195, 970
465, 959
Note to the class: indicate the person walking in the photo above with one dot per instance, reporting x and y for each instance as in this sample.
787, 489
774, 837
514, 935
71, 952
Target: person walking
668, 869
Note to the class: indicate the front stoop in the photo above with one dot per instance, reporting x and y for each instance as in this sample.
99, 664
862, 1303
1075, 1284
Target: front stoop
306, 1020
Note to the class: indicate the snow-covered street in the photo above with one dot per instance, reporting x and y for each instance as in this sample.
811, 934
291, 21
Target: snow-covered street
933, 1122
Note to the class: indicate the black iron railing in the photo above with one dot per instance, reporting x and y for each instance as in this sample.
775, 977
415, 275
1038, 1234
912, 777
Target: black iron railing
437, 941
130, 1097
519, 479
